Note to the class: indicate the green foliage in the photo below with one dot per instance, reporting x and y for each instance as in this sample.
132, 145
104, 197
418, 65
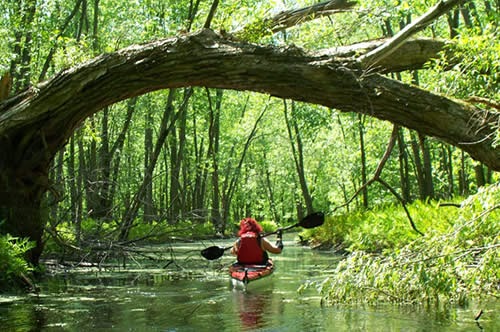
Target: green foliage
254, 31
383, 227
12, 262
477, 72
453, 263
269, 225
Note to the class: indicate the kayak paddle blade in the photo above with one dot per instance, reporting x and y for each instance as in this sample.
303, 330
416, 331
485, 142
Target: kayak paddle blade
213, 252
313, 220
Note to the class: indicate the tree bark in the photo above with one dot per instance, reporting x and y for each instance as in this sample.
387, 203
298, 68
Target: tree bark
427, 167
147, 199
404, 171
213, 157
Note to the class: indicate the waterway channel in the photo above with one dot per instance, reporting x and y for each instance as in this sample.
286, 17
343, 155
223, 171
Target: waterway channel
193, 294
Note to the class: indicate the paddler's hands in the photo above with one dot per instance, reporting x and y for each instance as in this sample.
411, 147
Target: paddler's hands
279, 241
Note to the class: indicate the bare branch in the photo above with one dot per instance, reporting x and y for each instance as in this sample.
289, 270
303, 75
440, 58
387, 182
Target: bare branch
411, 55
211, 14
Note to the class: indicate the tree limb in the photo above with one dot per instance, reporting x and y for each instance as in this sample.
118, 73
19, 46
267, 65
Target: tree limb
486, 101
374, 57
211, 14
289, 18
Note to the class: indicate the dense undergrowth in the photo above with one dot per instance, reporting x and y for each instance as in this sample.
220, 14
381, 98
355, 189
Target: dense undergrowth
455, 261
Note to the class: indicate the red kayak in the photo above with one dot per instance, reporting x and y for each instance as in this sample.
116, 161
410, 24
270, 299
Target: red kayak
242, 274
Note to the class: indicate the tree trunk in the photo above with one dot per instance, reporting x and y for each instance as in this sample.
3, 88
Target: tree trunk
419, 167
22, 209
147, 200
447, 166
20, 65
480, 176
463, 176
233, 172
213, 155
117, 147
404, 171
167, 123
362, 152
72, 176
427, 167
177, 141
201, 171
295, 138
90, 174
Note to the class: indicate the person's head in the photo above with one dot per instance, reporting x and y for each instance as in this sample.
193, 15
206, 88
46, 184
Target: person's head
249, 225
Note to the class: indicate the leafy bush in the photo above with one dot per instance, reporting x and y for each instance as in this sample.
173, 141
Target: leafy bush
12, 262
455, 261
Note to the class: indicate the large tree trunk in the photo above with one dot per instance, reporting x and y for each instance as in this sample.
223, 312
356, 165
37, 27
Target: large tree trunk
35, 124
21, 204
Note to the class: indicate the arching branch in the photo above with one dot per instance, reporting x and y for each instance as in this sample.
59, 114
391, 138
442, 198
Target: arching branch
54, 109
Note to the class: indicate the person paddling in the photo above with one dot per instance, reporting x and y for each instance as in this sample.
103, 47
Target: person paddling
251, 247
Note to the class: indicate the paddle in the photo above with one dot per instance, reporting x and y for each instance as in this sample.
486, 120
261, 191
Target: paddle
310, 221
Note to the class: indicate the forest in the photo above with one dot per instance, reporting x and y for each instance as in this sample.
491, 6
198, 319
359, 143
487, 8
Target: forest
147, 121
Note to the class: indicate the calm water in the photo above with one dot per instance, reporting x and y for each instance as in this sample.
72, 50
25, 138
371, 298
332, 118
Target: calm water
184, 297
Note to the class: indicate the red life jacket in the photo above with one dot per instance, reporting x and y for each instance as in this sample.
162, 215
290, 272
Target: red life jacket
250, 251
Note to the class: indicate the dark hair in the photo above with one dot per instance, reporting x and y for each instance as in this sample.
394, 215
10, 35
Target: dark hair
249, 225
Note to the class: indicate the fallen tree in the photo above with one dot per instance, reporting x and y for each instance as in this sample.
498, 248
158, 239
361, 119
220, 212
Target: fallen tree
37, 123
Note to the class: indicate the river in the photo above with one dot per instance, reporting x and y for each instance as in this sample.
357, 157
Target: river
193, 294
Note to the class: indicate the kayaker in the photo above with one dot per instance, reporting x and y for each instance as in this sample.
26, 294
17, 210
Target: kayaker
251, 247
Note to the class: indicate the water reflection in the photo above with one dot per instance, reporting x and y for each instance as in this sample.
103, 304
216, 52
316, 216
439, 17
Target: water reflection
251, 308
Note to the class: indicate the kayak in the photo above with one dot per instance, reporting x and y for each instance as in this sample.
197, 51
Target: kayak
243, 274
